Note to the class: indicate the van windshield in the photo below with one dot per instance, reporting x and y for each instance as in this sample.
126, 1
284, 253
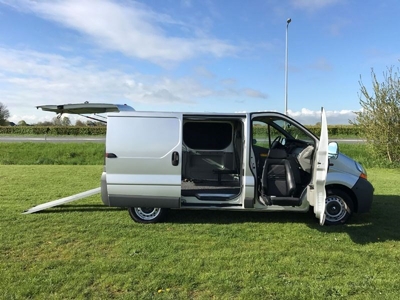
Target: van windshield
291, 131
267, 129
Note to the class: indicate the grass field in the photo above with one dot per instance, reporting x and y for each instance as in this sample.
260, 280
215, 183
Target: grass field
85, 250
30, 153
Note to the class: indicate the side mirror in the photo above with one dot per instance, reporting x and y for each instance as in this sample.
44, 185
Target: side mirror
333, 150
254, 141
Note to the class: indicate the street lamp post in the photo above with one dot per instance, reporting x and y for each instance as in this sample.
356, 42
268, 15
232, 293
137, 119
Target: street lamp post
286, 65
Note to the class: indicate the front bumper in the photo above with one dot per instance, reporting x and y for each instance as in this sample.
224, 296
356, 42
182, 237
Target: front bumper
364, 192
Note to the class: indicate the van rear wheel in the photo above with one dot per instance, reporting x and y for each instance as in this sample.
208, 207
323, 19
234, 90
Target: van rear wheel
339, 207
147, 214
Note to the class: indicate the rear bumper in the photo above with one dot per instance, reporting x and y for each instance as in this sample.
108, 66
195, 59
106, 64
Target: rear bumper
364, 192
133, 200
104, 192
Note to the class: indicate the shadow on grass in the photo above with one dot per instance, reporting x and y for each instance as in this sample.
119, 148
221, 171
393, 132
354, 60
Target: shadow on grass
234, 217
380, 225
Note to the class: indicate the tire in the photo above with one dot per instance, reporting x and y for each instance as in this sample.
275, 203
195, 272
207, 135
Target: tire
339, 207
147, 214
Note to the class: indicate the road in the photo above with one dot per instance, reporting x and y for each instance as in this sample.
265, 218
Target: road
74, 139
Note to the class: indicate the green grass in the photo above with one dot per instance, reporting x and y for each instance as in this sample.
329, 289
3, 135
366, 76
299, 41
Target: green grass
52, 153
86, 250
360, 153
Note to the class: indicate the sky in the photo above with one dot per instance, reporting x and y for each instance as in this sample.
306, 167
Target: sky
195, 55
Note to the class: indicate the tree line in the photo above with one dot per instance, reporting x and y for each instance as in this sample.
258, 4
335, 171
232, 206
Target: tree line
56, 121
65, 121
379, 118
4, 114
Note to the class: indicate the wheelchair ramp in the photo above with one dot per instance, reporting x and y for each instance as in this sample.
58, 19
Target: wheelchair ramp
63, 201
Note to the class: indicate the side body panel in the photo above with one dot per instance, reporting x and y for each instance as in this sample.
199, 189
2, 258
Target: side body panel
147, 167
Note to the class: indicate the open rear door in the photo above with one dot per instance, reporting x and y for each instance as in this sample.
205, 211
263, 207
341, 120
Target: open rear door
85, 108
316, 193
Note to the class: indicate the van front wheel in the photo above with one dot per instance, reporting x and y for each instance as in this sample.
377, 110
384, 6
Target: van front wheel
147, 214
339, 207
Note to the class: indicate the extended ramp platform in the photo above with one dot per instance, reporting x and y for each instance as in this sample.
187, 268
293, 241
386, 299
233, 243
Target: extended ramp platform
63, 201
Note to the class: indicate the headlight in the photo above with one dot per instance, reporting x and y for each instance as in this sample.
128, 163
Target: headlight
362, 170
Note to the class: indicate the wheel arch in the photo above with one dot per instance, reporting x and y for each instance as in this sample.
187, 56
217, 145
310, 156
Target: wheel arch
147, 215
346, 190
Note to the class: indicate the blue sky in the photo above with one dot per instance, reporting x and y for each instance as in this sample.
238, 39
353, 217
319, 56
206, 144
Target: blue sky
192, 55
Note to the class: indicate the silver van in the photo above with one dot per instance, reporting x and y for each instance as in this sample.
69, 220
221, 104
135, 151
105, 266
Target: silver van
261, 161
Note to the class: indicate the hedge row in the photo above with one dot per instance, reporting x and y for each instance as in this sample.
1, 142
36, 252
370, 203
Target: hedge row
334, 130
337, 130
54, 130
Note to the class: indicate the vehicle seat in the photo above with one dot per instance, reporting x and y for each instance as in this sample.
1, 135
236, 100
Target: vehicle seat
304, 158
277, 179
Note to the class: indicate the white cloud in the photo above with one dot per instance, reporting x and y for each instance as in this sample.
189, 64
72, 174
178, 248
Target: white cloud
313, 5
29, 75
204, 72
255, 94
167, 91
228, 81
338, 26
310, 117
128, 27
29, 119
34, 118
186, 3
29, 78
321, 64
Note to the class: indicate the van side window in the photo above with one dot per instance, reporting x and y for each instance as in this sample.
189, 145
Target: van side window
207, 135
260, 134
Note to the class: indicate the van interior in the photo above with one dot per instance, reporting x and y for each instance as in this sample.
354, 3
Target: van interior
212, 160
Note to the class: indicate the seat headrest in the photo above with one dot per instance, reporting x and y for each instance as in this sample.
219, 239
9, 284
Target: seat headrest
277, 153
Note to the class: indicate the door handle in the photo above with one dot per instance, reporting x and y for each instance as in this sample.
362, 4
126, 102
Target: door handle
175, 158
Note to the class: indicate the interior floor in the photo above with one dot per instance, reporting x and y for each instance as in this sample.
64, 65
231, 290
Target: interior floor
191, 188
